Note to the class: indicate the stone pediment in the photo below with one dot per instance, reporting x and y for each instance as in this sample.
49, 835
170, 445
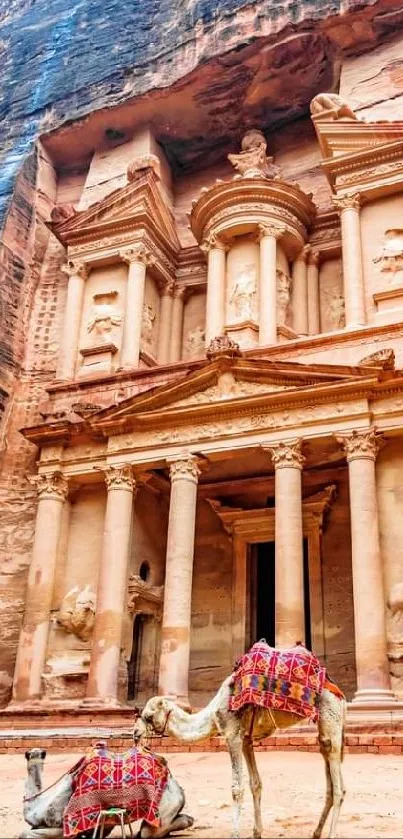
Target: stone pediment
140, 202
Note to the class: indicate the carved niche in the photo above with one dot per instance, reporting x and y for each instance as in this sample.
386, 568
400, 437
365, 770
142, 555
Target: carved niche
283, 297
335, 308
195, 343
390, 259
147, 326
242, 299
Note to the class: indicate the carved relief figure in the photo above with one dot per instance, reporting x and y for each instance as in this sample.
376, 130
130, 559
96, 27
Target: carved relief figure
194, 345
283, 297
243, 291
391, 256
336, 308
77, 612
147, 324
252, 161
105, 317
331, 106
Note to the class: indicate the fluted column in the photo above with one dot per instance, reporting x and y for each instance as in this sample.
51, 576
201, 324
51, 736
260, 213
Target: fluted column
52, 494
313, 293
373, 680
138, 258
112, 583
353, 279
164, 337
215, 303
289, 559
77, 273
268, 237
300, 292
176, 621
177, 323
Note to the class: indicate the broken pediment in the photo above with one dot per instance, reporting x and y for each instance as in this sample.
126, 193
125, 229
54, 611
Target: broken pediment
140, 202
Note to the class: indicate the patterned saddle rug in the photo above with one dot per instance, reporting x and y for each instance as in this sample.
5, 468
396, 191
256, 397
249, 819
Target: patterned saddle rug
281, 680
134, 780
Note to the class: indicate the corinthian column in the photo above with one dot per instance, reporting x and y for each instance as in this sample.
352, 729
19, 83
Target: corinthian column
77, 273
215, 303
164, 337
175, 648
373, 681
313, 293
289, 568
177, 323
138, 258
268, 237
349, 208
107, 637
52, 494
300, 292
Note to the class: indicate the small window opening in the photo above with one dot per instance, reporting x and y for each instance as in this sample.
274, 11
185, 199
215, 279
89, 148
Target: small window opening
144, 572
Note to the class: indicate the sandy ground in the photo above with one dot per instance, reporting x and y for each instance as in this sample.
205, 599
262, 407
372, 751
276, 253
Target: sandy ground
293, 790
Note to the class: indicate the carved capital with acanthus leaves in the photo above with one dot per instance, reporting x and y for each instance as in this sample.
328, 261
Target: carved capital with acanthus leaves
75, 268
137, 253
213, 242
50, 486
120, 477
270, 230
168, 289
352, 201
361, 444
184, 467
313, 257
286, 454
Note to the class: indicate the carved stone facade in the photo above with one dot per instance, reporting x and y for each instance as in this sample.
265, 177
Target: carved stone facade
217, 412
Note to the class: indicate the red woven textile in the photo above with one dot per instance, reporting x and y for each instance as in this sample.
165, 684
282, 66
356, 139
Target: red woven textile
134, 780
282, 680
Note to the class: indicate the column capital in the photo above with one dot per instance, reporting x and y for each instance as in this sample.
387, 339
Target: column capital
75, 268
352, 201
303, 255
120, 477
184, 467
168, 289
52, 485
137, 253
180, 292
266, 230
286, 454
313, 257
361, 444
213, 242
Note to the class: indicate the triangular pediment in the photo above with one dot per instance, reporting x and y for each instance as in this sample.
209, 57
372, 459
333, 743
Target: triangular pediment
138, 202
338, 138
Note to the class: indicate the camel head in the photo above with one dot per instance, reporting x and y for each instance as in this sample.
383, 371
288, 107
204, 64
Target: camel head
35, 759
154, 716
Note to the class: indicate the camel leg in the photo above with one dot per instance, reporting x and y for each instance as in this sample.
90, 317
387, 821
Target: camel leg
328, 802
331, 735
234, 745
171, 817
42, 833
339, 791
255, 785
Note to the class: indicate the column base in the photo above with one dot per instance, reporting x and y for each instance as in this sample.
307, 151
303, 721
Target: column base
94, 702
374, 696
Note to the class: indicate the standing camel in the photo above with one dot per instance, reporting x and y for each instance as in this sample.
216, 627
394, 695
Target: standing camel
43, 809
163, 715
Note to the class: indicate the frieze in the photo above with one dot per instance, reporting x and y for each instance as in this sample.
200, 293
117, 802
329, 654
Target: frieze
394, 168
249, 209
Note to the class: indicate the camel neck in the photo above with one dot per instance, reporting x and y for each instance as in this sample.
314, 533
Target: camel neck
191, 728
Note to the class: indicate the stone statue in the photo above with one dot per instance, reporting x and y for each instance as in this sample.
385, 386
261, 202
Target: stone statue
244, 288
77, 612
391, 256
139, 164
147, 324
105, 317
331, 106
252, 161
223, 345
336, 308
195, 342
283, 297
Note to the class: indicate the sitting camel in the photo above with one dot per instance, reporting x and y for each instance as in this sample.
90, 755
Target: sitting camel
43, 809
162, 715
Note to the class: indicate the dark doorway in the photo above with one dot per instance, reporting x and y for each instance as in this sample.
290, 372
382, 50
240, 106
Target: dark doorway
133, 667
262, 610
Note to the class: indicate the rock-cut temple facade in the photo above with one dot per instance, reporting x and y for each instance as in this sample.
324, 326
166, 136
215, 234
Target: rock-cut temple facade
204, 445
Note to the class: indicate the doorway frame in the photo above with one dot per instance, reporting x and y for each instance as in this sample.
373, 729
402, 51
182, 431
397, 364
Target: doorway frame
253, 526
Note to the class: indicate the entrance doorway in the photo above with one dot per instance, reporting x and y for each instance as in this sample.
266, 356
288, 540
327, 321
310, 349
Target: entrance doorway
133, 667
262, 594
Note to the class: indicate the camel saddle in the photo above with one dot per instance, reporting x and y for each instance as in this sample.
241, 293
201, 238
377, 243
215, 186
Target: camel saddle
134, 780
281, 680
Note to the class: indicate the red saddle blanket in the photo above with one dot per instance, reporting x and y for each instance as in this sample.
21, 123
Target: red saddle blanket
281, 680
134, 780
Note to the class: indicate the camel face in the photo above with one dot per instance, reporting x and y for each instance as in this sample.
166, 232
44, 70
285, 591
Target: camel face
155, 714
